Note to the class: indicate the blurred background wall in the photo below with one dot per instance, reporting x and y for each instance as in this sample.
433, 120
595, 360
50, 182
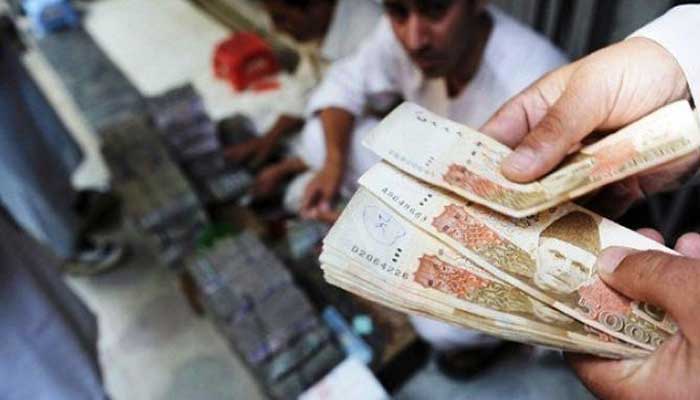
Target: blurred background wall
581, 26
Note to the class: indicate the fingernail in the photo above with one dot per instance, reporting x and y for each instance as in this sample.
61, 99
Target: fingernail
521, 160
610, 259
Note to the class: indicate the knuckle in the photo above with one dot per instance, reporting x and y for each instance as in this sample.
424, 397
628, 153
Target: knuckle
548, 134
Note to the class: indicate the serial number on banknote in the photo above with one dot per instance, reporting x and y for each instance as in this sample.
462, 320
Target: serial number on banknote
378, 262
410, 208
425, 168
420, 116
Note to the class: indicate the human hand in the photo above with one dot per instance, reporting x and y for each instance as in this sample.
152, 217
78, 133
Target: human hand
670, 282
263, 152
268, 181
602, 92
257, 151
320, 193
243, 152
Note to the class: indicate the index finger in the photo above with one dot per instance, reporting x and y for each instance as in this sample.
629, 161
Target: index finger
576, 114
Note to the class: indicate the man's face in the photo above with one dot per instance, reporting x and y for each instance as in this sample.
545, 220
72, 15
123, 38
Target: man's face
562, 267
434, 33
301, 24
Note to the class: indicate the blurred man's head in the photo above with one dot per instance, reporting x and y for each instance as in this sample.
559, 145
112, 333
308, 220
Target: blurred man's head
304, 20
435, 33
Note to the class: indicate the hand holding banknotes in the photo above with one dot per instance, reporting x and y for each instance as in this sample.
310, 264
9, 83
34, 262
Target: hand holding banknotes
602, 92
670, 282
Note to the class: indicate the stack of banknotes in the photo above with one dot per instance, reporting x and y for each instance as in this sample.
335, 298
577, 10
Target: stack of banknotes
159, 202
264, 315
191, 136
436, 230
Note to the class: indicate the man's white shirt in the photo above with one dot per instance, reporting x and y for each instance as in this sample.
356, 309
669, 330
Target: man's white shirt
675, 31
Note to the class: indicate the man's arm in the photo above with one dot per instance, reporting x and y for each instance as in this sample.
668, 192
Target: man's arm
373, 68
337, 126
342, 97
260, 149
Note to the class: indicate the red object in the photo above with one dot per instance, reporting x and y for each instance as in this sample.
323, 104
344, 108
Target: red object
264, 85
243, 59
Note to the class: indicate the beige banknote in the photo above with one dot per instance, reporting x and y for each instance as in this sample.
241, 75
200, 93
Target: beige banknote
550, 256
383, 247
468, 163
405, 302
410, 303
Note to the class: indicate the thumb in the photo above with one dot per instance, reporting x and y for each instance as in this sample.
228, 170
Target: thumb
570, 119
668, 281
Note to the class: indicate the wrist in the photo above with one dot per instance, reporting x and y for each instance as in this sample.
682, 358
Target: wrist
334, 161
272, 135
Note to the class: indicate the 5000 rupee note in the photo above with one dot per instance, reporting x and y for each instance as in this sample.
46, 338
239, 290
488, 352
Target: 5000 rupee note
410, 304
550, 256
385, 247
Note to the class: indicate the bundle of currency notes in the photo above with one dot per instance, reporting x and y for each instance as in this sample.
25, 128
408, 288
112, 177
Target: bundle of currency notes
191, 136
436, 230
270, 322
159, 201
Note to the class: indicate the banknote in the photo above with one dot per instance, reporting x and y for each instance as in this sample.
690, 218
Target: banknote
384, 247
407, 303
551, 256
468, 163
410, 303
452, 316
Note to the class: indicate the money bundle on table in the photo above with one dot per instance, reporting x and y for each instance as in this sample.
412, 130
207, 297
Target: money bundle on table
159, 201
191, 136
436, 230
264, 315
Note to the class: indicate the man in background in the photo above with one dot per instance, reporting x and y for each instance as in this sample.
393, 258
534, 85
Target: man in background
460, 59
338, 27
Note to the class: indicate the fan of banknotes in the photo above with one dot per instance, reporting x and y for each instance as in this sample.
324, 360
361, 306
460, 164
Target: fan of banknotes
436, 230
